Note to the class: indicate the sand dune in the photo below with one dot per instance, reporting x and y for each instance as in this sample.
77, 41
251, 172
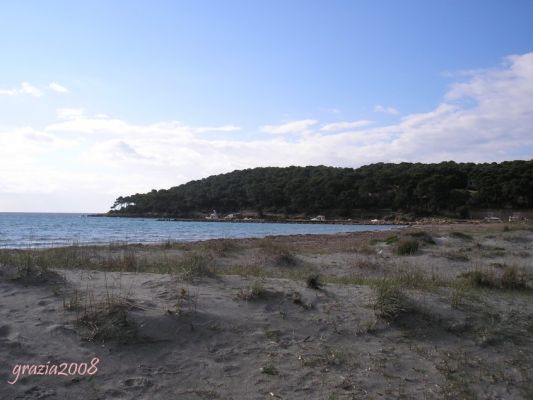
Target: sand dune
237, 320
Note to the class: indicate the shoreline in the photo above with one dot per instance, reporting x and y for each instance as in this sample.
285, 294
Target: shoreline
420, 221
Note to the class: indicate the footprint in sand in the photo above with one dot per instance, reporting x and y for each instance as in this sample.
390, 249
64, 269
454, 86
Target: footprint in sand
37, 392
4, 331
114, 394
137, 383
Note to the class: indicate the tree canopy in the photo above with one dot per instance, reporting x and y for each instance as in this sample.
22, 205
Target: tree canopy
443, 188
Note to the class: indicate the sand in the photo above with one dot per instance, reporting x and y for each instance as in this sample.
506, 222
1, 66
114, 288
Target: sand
254, 330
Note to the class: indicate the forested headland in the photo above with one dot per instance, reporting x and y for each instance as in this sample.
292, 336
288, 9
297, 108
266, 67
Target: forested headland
446, 188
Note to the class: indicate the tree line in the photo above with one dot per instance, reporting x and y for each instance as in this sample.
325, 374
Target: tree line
446, 188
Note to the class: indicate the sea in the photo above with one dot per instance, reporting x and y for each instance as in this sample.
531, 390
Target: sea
37, 230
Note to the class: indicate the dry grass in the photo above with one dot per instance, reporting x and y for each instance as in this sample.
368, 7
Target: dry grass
390, 300
406, 247
461, 235
220, 247
512, 278
279, 254
422, 236
453, 255
186, 301
256, 291
104, 319
194, 265
105, 322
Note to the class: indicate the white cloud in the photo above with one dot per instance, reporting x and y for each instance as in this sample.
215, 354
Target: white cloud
486, 117
225, 128
386, 110
301, 126
56, 87
338, 126
8, 92
24, 88
69, 113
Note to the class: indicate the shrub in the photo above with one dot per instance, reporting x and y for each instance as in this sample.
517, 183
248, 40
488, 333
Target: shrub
269, 370
423, 236
480, 278
461, 235
390, 301
513, 278
254, 292
406, 247
314, 282
108, 322
285, 258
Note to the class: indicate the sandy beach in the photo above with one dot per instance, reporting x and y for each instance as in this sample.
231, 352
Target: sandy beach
424, 312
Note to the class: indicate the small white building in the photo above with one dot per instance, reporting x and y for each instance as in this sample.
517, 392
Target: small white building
213, 215
516, 217
319, 218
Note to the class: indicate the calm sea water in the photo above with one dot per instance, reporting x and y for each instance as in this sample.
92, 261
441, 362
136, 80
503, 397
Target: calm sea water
23, 230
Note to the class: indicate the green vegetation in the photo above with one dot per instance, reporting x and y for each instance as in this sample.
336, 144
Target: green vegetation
390, 300
479, 278
461, 235
391, 239
423, 237
254, 292
513, 278
278, 252
406, 247
110, 324
446, 188
269, 369
314, 282
195, 265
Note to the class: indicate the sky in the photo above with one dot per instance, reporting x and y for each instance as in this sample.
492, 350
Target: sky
100, 99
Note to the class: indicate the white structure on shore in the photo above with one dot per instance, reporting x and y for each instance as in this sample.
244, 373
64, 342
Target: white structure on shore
213, 215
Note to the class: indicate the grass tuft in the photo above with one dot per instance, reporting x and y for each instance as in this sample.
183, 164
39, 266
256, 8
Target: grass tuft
314, 282
406, 247
391, 239
479, 278
108, 321
514, 278
423, 236
390, 300
461, 235
269, 369
195, 265
254, 292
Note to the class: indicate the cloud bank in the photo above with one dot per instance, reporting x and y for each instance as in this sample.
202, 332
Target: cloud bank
488, 116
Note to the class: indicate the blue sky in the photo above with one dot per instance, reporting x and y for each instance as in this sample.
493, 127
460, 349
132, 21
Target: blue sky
100, 99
